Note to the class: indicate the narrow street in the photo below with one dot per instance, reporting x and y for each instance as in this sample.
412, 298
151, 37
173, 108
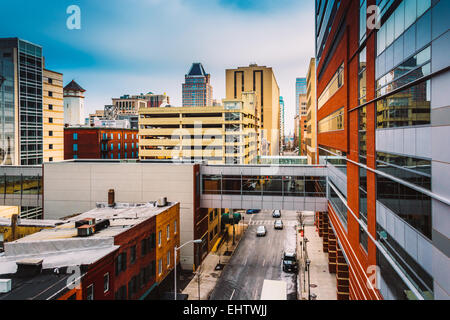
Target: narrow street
259, 258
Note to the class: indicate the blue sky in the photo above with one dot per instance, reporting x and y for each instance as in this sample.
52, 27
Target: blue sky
134, 46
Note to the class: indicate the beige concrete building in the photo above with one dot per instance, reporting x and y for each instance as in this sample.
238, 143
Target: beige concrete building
53, 116
262, 80
311, 118
221, 134
72, 187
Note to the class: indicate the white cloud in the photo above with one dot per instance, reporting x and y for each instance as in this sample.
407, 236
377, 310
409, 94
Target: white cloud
156, 41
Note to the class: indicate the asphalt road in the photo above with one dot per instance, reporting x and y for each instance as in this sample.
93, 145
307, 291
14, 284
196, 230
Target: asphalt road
259, 258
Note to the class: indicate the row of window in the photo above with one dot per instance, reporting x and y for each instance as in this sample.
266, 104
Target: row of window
147, 245
336, 82
105, 136
333, 122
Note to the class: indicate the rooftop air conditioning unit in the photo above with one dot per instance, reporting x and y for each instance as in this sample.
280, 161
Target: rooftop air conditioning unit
86, 230
5, 285
87, 221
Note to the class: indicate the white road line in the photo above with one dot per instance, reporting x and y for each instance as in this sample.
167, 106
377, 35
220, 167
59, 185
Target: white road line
264, 262
232, 294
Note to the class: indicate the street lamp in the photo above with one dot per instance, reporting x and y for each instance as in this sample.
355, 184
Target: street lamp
175, 255
308, 262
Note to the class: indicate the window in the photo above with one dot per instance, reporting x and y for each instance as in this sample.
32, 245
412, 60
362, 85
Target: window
159, 237
90, 292
75, 136
168, 258
160, 266
75, 156
75, 147
410, 107
50, 133
50, 107
112, 146
362, 76
118, 136
336, 82
133, 255
175, 227
363, 238
50, 80
362, 20
334, 122
50, 94
143, 247
168, 232
50, 146
50, 159
112, 136
106, 282
50, 120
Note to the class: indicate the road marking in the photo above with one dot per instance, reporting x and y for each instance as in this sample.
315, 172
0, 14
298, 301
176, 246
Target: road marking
264, 262
232, 294
246, 260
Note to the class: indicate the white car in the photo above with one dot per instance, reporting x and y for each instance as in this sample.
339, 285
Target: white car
276, 213
261, 231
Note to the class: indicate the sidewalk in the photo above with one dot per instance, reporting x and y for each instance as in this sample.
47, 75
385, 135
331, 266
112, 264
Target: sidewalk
323, 283
208, 275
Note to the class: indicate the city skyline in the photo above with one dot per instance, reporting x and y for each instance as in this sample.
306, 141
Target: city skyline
138, 60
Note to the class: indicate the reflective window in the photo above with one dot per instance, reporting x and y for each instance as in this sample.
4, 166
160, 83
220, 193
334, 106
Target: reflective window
337, 204
336, 82
333, 122
410, 107
413, 170
423, 31
412, 206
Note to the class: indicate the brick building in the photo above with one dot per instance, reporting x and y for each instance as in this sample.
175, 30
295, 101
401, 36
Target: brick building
111, 251
100, 143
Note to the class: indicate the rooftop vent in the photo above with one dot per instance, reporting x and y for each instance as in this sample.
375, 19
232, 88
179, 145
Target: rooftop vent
111, 198
87, 221
29, 267
162, 202
5, 285
103, 224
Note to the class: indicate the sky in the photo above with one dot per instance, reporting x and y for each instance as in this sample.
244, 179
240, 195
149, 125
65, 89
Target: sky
138, 46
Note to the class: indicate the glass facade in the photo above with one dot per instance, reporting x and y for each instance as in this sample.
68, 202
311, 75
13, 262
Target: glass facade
30, 102
294, 186
336, 82
334, 122
7, 115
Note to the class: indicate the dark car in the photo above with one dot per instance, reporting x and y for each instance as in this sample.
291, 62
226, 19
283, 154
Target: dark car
252, 211
290, 262
276, 213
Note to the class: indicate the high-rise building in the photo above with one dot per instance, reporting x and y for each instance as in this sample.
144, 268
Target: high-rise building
260, 79
197, 89
311, 120
74, 104
383, 120
25, 102
281, 122
300, 88
223, 134
53, 116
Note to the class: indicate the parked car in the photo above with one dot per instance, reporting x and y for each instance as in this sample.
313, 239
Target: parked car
261, 231
290, 262
278, 224
252, 211
276, 213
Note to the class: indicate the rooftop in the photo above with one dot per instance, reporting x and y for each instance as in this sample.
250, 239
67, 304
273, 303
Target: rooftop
197, 70
73, 86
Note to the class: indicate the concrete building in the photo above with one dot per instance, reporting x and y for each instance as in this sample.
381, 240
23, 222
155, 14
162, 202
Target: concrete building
74, 104
98, 115
103, 142
383, 119
261, 80
132, 182
128, 105
53, 116
197, 89
224, 134
311, 119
